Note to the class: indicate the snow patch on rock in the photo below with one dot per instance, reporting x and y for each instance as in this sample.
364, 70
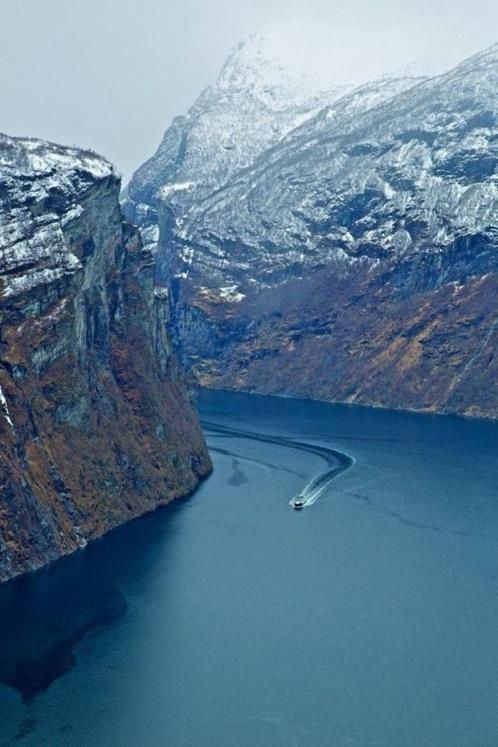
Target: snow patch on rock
5, 408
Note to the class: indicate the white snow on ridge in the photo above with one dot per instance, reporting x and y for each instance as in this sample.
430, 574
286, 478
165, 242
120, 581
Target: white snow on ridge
42, 157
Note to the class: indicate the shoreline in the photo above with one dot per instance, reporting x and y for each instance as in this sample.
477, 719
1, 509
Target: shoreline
492, 419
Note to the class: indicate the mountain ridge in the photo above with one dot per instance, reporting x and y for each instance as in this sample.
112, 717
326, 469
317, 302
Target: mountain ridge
390, 192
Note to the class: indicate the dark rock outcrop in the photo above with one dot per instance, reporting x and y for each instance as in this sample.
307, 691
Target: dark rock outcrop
96, 425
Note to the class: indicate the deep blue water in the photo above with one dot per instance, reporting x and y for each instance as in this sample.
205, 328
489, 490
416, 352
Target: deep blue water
367, 618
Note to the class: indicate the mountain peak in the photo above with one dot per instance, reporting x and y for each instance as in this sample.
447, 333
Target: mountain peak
284, 65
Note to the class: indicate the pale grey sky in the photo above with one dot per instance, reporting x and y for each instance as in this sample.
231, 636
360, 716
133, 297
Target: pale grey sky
111, 74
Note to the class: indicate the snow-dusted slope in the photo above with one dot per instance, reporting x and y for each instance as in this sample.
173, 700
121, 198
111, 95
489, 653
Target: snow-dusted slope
358, 182
353, 258
266, 89
271, 83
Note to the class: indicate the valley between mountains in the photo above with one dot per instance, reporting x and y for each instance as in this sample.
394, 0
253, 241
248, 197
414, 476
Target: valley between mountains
319, 238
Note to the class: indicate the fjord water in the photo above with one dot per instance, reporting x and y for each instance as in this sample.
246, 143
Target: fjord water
367, 618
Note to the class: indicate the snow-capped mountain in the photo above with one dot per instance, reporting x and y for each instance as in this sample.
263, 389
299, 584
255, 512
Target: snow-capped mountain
354, 257
349, 184
264, 91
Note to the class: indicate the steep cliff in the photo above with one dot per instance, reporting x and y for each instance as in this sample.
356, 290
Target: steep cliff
96, 426
355, 259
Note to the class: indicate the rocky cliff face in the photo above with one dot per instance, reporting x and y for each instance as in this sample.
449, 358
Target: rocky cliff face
96, 426
356, 258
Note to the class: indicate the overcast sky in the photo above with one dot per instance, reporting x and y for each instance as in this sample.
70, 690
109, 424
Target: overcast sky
111, 74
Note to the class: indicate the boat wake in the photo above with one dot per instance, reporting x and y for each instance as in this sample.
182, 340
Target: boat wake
336, 461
